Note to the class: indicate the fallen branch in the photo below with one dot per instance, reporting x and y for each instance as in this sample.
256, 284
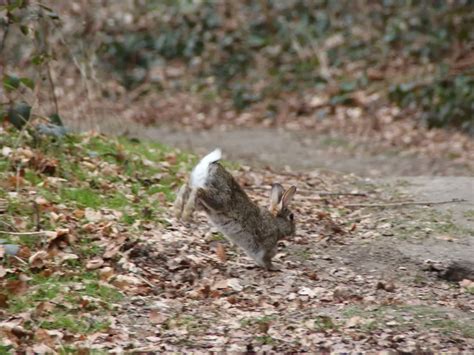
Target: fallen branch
23, 233
306, 192
406, 203
324, 193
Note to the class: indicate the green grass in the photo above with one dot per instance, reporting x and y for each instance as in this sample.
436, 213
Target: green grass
424, 317
49, 288
324, 323
425, 222
257, 320
303, 254
137, 172
469, 214
74, 324
265, 339
84, 197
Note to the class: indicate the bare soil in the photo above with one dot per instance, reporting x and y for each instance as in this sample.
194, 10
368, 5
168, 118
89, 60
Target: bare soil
307, 151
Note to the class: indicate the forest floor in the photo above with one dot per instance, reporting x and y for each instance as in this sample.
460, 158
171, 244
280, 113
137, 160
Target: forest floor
114, 271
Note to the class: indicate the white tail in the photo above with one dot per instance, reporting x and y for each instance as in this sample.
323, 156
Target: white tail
201, 170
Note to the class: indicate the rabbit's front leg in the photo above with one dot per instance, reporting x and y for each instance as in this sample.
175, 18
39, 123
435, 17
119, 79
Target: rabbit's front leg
264, 259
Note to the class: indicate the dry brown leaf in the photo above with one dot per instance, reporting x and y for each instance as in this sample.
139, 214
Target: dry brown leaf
106, 273
94, 264
43, 349
67, 256
41, 201
38, 259
157, 317
220, 251
355, 321
466, 283
3, 300
3, 271
44, 308
17, 287
92, 215
42, 336
388, 286
124, 282
111, 251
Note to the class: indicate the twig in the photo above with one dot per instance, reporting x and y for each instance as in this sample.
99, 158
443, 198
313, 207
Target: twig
36, 216
41, 233
6, 31
406, 203
51, 83
306, 192
20, 259
9, 226
324, 193
145, 280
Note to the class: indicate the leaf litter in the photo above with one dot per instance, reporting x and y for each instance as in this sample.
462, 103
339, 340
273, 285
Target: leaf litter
115, 271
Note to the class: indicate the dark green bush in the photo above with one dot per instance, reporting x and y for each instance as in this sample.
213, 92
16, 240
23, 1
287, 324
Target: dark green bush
445, 102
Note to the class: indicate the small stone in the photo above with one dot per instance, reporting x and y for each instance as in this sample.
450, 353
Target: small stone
11, 249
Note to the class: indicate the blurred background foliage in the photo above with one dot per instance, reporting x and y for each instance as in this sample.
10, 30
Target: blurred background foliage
240, 55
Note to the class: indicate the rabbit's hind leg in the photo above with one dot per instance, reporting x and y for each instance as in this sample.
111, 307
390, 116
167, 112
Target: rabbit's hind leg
180, 201
190, 205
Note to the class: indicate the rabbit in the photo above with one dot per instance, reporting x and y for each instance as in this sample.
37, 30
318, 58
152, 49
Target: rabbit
255, 229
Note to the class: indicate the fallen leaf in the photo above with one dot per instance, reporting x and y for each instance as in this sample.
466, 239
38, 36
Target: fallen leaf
94, 264
228, 283
42, 349
220, 251
3, 271
341, 293
41, 201
388, 286
157, 317
38, 259
106, 273
3, 300
355, 321
17, 287
42, 336
67, 256
126, 281
92, 215
466, 283
306, 291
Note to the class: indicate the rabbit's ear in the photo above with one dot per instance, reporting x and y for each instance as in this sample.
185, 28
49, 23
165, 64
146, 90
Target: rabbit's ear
288, 196
275, 198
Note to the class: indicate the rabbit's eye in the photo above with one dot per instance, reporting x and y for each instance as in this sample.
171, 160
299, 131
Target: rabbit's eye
291, 216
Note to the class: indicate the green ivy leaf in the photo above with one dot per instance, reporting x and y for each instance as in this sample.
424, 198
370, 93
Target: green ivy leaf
19, 114
24, 29
28, 82
11, 83
12, 6
56, 119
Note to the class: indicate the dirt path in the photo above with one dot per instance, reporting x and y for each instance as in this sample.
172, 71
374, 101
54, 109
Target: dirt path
306, 151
